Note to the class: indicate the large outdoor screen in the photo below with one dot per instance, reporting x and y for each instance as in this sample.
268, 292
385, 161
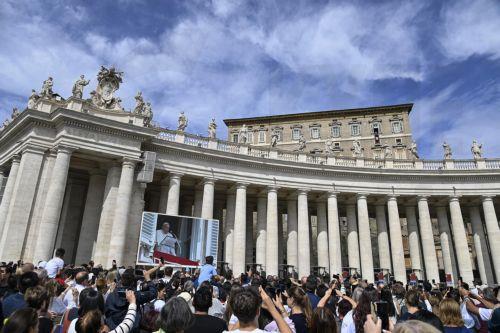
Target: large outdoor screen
179, 241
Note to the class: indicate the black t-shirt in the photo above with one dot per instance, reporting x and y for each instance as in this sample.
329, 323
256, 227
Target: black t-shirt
208, 324
300, 322
44, 325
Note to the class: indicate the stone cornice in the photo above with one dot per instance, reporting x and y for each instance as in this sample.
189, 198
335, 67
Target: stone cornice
297, 168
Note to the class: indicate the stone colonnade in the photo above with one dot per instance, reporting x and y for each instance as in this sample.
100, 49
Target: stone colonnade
421, 243
116, 200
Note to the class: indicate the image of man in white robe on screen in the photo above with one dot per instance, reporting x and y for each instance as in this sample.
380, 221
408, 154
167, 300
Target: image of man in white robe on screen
166, 240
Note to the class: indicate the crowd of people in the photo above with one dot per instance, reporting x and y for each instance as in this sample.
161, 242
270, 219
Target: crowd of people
54, 297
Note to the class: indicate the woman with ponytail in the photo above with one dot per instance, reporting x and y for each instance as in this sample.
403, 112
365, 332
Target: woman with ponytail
301, 310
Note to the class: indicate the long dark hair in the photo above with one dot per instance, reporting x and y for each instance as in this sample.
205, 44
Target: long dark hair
89, 300
386, 295
21, 321
323, 321
364, 307
301, 299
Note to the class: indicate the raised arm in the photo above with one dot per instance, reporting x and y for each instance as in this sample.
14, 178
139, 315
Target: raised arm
282, 325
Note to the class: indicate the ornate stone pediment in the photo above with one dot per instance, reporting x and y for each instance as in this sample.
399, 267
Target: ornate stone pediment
108, 82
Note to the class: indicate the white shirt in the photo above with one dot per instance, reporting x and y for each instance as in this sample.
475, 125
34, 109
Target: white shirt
166, 242
348, 325
485, 314
68, 298
54, 266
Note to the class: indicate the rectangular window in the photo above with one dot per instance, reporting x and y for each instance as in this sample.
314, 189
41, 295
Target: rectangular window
399, 141
397, 127
376, 128
262, 136
355, 130
235, 137
280, 135
336, 144
335, 131
315, 133
295, 134
250, 137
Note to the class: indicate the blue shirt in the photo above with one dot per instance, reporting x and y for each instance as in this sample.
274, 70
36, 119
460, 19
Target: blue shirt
206, 273
13, 303
314, 299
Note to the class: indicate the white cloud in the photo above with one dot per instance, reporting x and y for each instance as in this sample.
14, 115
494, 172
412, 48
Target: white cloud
470, 28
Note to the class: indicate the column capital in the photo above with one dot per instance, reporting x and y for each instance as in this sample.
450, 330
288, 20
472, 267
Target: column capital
454, 197
208, 180
34, 149
16, 158
272, 188
302, 191
361, 196
423, 197
241, 185
64, 149
174, 174
487, 197
392, 197
128, 163
332, 194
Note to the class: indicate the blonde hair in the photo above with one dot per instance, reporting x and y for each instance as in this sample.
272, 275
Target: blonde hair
449, 311
414, 326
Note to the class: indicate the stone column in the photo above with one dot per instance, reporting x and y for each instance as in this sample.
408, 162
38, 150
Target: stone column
398, 258
90, 219
229, 228
352, 238
322, 239
249, 234
384, 253
7, 193
334, 246
260, 244
303, 260
483, 260
429, 249
23, 193
413, 240
207, 209
291, 242
53, 204
118, 244
198, 202
491, 221
446, 245
40, 198
107, 215
134, 223
240, 229
272, 232
365, 242
460, 240
164, 189
174, 190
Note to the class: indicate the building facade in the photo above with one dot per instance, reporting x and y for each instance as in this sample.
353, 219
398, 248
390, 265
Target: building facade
379, 130
78, 174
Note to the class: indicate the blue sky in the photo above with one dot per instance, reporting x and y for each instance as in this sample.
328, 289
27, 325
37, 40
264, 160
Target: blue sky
228, 59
